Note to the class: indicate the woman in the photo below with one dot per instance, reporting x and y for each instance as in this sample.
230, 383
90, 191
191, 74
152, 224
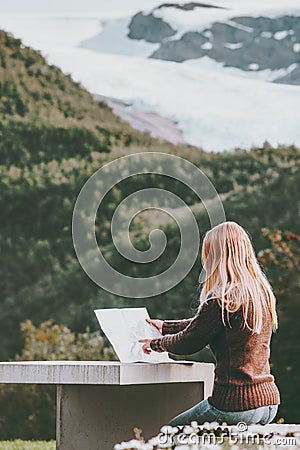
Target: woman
236, 317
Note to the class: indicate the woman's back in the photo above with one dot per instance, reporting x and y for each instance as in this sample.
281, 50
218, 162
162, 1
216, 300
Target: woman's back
242, 372
236, 317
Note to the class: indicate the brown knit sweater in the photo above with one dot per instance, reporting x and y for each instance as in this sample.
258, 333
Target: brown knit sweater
242, 372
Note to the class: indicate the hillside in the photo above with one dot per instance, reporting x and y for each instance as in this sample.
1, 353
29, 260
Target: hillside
45, 113
51, 145
225, 55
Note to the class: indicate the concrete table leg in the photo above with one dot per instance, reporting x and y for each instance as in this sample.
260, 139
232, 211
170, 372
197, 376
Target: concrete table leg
95, 417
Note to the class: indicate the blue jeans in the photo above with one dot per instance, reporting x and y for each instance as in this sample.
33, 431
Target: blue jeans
205, 412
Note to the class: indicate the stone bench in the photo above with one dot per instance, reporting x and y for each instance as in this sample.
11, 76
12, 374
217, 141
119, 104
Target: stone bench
100, 402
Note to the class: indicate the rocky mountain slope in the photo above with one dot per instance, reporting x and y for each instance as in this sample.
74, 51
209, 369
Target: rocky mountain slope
244, 42
228, 54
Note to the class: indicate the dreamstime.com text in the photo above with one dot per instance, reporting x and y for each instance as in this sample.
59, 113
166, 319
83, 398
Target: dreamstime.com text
202, 436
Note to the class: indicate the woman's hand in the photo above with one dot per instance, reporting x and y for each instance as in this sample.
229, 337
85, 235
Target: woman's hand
156, 323
146, 345
146, 342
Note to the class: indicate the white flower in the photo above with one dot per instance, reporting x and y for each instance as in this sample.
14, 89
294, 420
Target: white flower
166, 429
166, 445
154, 441
146, 446
122, 446
134, 444
188, 429
214, 424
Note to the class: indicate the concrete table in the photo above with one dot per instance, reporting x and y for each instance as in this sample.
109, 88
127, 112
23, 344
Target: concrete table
100, 402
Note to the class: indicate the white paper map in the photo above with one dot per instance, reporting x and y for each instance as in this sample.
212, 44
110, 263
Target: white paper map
124, 327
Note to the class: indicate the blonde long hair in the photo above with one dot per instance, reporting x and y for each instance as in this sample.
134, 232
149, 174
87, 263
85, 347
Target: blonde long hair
234, 276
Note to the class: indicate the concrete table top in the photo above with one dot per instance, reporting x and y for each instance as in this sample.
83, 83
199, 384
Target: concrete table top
104, 372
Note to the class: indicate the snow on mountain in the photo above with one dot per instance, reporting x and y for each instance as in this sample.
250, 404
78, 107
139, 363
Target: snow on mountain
214, 110
114, 39
197, 18
251, 36
219, 103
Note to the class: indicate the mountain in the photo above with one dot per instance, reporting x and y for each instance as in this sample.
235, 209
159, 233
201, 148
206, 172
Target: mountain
45, 114
249, 43
232, 62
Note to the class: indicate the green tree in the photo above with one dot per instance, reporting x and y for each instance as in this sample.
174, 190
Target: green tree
281, 261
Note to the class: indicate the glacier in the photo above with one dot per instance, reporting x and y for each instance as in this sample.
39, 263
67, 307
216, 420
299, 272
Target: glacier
217, 108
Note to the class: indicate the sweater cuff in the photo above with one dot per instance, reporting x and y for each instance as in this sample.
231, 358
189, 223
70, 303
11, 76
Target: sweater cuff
174, 326
156, 345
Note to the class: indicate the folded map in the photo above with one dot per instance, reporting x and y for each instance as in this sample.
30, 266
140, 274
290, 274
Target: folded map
124, 327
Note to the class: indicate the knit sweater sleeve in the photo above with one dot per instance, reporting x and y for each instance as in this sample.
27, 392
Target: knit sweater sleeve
174, 326
202, 328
